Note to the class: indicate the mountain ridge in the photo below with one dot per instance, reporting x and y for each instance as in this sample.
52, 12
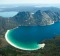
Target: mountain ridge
42, 18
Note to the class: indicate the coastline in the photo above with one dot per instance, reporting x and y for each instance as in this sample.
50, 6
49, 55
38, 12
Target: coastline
39, 45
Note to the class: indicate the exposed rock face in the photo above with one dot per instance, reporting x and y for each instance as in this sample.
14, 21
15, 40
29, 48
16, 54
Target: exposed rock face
38, 18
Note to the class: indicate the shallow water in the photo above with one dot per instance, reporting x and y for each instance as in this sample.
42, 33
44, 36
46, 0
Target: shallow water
29, 37
8, 14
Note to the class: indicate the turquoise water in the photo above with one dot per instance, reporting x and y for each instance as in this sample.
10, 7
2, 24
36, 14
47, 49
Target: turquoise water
8, 14
29, 37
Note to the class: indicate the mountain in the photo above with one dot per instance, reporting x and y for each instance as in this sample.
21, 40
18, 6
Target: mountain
40, 17
17, 8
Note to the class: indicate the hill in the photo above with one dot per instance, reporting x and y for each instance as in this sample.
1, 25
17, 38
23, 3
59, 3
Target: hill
42, 18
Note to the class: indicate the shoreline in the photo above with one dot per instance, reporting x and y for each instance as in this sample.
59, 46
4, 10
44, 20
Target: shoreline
39, 45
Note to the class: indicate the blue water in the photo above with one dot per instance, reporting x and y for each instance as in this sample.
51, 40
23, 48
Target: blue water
8, 14
28, 36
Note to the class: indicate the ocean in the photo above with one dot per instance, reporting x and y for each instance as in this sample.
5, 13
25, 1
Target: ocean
8, 14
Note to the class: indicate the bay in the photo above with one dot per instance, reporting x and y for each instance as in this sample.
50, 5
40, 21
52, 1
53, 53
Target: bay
29, 37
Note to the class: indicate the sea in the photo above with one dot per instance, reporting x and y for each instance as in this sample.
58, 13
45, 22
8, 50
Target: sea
30, 37
8, 14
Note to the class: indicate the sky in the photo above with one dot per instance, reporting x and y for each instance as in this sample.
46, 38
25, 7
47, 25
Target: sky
29, 1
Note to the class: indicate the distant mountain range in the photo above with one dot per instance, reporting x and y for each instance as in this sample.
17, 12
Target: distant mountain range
16, 8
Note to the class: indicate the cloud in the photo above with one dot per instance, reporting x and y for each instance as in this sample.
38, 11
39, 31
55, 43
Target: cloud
29, 1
